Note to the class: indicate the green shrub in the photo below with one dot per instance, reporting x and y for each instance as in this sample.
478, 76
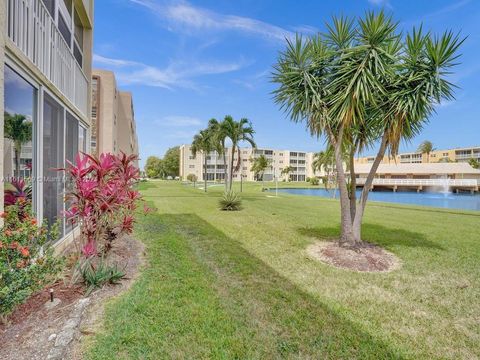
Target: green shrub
97, 275
192, 178
27, 263
230, 201
308, 179
314, 181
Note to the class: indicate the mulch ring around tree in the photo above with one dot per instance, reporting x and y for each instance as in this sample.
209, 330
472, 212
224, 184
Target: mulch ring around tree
364, 258
34, 329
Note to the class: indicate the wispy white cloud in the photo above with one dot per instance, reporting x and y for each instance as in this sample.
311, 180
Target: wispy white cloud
178, 74
384, 3
185, 17
179, 121
254, 81
305, 29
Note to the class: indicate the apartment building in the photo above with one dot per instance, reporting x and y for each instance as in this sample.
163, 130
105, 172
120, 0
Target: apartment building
113, 117
45, 84
449, 155
300, 163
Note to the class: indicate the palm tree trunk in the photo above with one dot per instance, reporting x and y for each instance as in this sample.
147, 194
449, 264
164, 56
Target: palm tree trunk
16, 173
353, 183
347, 237
225, 168
205, 171
230, 183
357, 222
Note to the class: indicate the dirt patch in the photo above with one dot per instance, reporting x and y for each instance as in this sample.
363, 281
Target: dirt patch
366, 258
31, 330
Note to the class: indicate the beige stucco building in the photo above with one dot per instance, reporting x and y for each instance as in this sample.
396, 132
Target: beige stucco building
113, 117
299, 161
45, 85
449, 155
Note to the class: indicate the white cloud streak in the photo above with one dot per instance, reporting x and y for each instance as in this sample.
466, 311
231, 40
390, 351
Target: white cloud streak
176, 75
185, 17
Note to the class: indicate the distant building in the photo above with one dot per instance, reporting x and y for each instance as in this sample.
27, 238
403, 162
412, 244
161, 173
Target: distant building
450, 155
299, 161
422, 176
113, 117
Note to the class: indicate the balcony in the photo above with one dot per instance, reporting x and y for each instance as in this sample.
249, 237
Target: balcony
34, 32
422, 182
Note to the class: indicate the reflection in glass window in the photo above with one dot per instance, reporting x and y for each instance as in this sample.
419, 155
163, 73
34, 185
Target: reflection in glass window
53, 140
20, 100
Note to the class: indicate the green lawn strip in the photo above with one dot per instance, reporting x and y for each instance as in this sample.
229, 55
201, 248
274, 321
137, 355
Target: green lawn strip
427, 309
203, 296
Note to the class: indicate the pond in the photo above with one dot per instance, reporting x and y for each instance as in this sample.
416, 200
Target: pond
432, 199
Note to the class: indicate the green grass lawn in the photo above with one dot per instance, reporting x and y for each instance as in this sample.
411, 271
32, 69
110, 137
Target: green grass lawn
239, 285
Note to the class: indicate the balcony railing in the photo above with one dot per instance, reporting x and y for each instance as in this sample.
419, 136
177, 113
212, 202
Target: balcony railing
31, 28
422, 182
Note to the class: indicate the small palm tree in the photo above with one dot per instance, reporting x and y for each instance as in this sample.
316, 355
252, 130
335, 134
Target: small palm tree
202, 142
218, 142
19, 130
236, 131
286, 170
426, 147
259, 165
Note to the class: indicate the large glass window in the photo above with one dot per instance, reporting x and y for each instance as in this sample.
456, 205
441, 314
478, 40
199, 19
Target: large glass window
53, 158
19, 121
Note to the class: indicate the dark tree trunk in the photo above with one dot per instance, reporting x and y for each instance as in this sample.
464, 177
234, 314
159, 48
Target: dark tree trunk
205, 172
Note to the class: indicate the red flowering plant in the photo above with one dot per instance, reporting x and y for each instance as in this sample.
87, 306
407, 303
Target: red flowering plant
26, 257
102, 199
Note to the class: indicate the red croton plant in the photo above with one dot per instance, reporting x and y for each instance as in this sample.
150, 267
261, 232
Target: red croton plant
101, 199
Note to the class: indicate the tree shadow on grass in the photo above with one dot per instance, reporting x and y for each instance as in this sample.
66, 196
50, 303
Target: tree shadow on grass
270, 315
376, 234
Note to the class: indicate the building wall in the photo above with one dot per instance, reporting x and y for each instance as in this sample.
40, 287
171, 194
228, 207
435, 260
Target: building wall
449, 155
279, 159
115, 128
21, 50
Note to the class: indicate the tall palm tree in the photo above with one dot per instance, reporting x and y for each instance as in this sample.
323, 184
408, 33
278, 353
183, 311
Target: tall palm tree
202, 142
426, 147
286, 170
236, 131
361, 84
218, 142
325, 160
259, 165
19, 130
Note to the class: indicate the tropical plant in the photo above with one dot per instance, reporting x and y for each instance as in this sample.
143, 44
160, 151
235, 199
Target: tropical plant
19, 130
17, 189
230, 201
426, 147
237, 132
96, 275
27, 262
364, 84
314, 181
218, 142
286, 171
474, 163
259, 165
192, 178
202, 142
102, 199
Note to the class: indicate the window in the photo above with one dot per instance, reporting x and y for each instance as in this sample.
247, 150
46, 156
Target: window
19, 128
53, 140
64, 29
191, 157
50, 5
78, 37
191, 166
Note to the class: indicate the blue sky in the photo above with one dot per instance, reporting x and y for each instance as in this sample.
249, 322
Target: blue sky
186, 62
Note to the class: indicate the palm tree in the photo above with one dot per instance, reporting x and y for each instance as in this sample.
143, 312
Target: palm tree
19, 130
259, 165
203, 142
360, 85
474, 163
426, 147
325, 160
218, 143
287, 170
236, 131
